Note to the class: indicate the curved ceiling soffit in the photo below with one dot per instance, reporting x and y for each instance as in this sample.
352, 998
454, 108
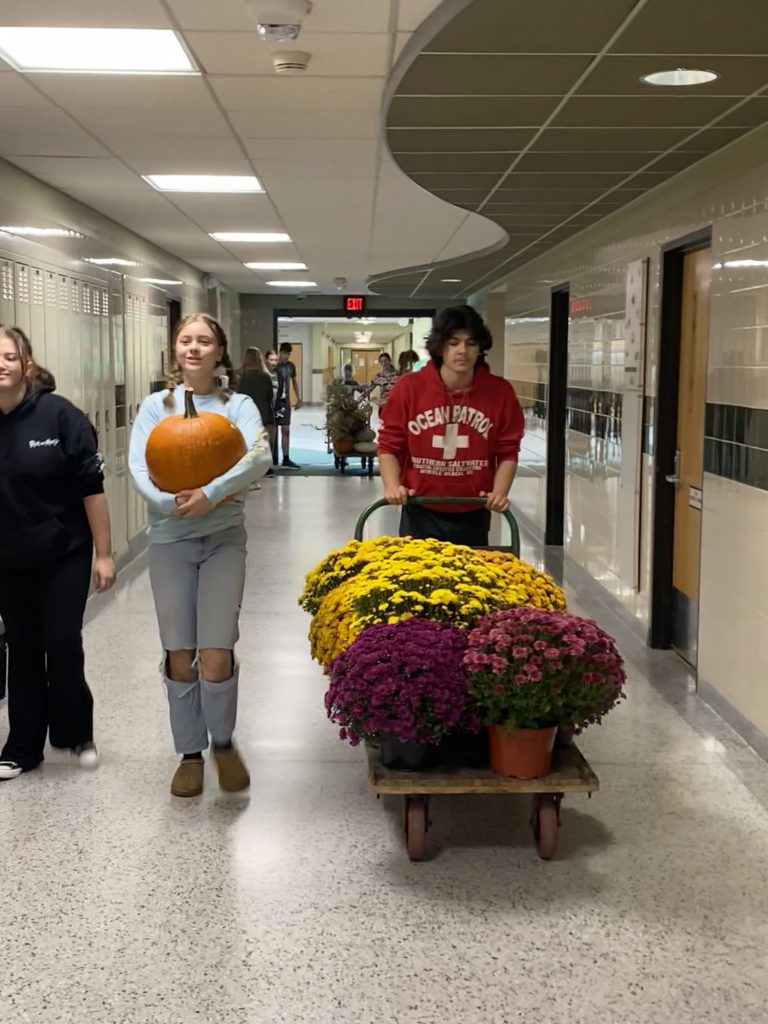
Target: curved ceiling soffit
464, 234
536, 114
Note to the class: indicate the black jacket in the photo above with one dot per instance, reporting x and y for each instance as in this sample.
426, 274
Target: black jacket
49, 462
258, 386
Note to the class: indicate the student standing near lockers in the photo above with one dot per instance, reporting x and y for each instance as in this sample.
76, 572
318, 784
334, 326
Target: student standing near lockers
197, 552
451, 430
53, 513
286, 378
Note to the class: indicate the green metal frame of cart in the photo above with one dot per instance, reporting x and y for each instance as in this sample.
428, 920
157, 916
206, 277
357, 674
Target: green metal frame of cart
570, 772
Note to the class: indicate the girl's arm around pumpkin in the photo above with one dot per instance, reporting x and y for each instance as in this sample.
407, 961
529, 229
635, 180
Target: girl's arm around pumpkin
149, 415
256, 461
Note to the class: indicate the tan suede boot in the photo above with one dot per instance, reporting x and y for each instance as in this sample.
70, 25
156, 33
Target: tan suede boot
188, 778
233, 775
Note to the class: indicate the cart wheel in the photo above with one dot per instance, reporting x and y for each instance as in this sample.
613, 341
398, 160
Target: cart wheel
545, 826
416, 827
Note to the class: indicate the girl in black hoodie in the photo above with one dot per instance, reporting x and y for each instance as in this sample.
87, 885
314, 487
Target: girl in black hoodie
53, 512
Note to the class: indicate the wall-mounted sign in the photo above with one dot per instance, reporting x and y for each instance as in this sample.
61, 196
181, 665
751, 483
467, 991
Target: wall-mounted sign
354, 303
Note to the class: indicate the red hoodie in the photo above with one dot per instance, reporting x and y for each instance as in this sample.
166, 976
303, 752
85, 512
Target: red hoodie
449, 443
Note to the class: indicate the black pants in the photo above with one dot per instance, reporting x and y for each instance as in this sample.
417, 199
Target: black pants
470, 528
47, 693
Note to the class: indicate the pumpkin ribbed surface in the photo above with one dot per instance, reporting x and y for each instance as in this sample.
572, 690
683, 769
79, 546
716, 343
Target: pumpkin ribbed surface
186, 452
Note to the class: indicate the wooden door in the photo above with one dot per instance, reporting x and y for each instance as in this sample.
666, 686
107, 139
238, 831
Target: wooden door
689, 459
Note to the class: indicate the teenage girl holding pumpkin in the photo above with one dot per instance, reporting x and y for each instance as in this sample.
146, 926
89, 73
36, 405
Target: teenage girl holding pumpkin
197, 553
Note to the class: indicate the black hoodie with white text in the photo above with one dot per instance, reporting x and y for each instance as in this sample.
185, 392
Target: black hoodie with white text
49, 462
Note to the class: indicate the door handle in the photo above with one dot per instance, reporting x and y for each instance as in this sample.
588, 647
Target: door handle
674, 477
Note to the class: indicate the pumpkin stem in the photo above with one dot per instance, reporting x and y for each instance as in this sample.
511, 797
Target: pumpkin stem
190, 412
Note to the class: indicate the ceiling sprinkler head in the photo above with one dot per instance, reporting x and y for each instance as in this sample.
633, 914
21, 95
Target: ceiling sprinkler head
340, 282
278, 21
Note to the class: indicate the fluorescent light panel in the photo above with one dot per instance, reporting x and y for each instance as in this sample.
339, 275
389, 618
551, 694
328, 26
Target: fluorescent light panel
96, 51
112, 262
292, 284
41, 232
157, 280
223, 183
250, 236
276, 266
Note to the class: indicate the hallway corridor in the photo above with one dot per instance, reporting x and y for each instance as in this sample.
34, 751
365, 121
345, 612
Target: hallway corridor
296, 903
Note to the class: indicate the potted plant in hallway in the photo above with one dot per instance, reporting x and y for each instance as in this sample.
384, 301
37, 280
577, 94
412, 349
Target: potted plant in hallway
403, 686
345, 417
533, 671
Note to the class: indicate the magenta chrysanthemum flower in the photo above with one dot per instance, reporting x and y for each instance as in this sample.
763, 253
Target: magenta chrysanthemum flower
407, 680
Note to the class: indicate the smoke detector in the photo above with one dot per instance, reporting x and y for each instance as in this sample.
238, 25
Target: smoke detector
291, 62
278, 21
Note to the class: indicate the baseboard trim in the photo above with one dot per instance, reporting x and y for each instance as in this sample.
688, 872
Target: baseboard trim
737, 721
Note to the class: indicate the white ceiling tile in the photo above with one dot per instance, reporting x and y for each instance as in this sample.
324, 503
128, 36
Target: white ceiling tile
143, 92
65, 144
145, 123
84, 14
412, 13
243, 53
319, 150
229, 15
218, 212
76, 172
299, 95
349, 16
37, 119
266, 124
17, 91
180, 154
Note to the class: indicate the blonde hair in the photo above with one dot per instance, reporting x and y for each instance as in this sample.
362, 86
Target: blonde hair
175, 376
253, 362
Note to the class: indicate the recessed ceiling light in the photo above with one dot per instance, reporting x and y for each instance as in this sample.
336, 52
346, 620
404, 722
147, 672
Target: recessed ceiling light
226, 183
450, 280
679, 77
250, 236
112, 262
292, 284
42, 232
276, 266
157, 280
96, 51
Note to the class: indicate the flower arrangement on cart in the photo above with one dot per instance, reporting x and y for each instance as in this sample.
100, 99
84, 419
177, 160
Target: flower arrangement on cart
425, 642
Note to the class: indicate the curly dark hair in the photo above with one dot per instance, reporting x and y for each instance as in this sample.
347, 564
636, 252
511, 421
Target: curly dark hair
458, 318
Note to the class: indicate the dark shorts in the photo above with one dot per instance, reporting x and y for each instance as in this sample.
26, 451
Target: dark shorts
283, 413
470, 528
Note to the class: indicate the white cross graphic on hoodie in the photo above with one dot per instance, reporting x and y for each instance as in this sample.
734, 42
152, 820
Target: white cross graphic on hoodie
451, 441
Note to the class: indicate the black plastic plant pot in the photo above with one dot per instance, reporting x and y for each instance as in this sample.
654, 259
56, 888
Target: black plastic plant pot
407, 757
465, 750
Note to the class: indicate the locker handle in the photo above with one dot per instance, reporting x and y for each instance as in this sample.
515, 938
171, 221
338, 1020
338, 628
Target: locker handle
98, 421
106, 419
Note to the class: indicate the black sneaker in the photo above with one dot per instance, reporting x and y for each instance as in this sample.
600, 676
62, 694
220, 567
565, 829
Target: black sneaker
290, 464
9, 770
270, 472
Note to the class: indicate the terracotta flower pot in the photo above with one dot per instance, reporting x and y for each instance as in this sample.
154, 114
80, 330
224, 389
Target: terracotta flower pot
521, 753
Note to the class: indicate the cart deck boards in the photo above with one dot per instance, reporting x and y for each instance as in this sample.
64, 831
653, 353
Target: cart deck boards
570, 774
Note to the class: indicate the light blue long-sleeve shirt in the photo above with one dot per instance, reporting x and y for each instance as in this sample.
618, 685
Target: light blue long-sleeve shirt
164, 526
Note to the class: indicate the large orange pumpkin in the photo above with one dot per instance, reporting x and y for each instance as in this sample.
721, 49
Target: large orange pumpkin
187, 452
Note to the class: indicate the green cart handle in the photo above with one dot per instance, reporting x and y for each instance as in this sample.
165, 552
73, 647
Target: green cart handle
514, 530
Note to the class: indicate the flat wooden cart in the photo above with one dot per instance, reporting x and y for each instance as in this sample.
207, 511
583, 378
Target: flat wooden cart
570, 774
570, 771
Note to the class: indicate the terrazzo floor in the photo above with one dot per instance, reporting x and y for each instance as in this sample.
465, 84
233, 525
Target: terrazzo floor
297, 903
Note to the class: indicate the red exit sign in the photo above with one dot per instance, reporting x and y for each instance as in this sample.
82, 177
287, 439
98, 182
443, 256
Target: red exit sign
354, 304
